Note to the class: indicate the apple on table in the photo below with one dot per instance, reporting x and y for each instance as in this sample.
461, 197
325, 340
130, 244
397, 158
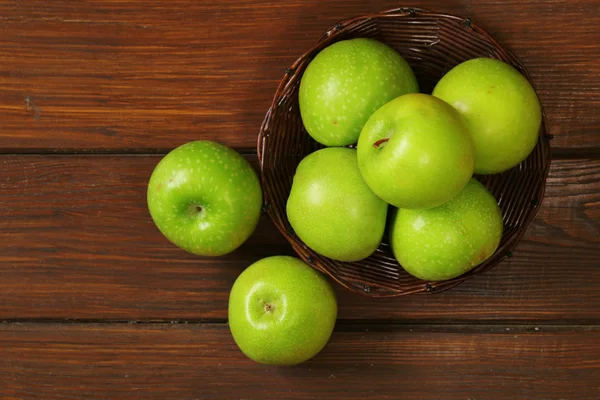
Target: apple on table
205, 198
281, 311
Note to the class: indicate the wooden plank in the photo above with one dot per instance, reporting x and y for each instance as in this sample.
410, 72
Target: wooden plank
141, 75
73, 361
76, 241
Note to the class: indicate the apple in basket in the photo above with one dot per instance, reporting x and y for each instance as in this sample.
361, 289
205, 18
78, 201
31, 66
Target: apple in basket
444, 242
331, 208
416, 152
345, 83
501, 109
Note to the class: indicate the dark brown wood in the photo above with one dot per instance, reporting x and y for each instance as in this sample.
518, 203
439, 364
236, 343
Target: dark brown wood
202, 362
76, 241
142, 75
77, 245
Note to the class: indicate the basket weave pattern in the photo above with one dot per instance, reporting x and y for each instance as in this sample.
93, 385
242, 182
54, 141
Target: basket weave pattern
432, 44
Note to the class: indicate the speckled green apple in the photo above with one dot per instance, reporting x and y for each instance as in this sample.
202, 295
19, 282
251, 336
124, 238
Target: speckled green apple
205, 198
447, 241
331, 208
345, 83
501, 108
281, 311
415, 152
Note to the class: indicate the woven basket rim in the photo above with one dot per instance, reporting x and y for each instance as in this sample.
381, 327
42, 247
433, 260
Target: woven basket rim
330, 34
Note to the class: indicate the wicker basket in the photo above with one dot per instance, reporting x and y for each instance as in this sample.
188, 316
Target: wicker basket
432, 43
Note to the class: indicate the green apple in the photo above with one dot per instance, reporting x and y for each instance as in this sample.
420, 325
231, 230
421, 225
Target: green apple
345, 83
447, 241
331, 208
501, 108
205, 198
416, 152
281, 311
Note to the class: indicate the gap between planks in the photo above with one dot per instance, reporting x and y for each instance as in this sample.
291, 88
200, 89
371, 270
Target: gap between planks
351, 325
558, 153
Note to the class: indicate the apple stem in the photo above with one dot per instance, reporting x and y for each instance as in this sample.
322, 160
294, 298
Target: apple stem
380, 142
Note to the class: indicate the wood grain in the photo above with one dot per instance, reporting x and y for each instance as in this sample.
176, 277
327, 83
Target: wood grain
77, 242
202, 362
77, 245
144, 75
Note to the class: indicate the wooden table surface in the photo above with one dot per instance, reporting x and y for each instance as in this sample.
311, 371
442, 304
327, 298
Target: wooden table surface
96, 304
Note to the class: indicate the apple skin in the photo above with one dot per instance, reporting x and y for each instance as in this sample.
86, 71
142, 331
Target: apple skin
447, 241
281, 311
345, 83
205, 198
428, 157
331, 208
501, 108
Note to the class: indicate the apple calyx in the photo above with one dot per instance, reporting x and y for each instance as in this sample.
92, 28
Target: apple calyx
195, 209
268, 307
380, 142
